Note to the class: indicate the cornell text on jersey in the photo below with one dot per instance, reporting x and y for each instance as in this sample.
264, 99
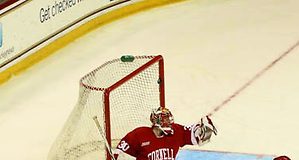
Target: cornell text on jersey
161, 154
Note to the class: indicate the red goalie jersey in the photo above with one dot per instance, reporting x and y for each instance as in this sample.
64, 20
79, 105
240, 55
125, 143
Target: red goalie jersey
163, 140
144, 145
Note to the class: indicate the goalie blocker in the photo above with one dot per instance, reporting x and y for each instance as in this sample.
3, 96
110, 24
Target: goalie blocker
164, 138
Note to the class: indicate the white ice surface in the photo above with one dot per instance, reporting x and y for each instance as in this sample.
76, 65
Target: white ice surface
211, 48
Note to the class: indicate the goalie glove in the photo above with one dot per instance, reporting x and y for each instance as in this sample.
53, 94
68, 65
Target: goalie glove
203, 130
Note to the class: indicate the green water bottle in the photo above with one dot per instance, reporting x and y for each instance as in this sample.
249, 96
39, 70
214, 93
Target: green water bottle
127, 58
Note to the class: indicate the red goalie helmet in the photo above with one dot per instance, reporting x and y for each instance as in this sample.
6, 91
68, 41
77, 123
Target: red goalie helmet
163, 119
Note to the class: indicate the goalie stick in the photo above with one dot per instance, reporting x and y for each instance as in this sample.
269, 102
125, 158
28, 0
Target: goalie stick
96, 121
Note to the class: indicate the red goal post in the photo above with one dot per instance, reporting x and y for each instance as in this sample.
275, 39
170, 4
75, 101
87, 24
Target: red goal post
121, 93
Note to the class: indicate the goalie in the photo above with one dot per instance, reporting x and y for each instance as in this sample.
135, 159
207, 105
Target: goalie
163, 140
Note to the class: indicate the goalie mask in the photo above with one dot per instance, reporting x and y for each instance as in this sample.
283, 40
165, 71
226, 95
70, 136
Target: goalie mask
163, 119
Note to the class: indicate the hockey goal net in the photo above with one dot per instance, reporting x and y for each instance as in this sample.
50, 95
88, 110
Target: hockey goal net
121, 93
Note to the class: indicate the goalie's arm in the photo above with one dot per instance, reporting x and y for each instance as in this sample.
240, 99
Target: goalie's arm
128, 145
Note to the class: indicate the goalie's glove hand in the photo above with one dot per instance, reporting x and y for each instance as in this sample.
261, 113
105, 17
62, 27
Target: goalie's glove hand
204, 130
207, 123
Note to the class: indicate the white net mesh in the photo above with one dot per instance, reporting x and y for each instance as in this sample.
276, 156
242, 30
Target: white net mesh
130, 107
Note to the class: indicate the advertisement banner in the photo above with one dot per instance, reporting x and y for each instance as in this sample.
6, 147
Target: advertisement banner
36, 22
